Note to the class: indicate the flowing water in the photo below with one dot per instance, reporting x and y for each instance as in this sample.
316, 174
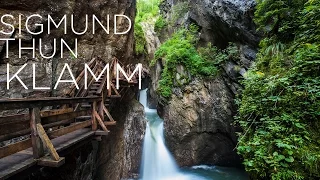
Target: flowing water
159, 164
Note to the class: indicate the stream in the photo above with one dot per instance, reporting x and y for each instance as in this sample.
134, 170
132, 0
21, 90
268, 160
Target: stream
158, 163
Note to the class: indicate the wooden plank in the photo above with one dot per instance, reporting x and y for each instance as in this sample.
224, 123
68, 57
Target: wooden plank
109, 123
15, 134
16, 147
59, 123
100, 121
80, 76
69, 129
45, 161
23, 160
94, 121
46, 141
66, 141
107, 113
103, 83
101, 133
37, 146
7, 129
55, 112
70, 115
14, 118
7, 104
20, 165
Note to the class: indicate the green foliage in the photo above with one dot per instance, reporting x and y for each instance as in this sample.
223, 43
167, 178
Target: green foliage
181, 49
279, 109
160, 24
177, 11
140, 39
146, 10
276, 17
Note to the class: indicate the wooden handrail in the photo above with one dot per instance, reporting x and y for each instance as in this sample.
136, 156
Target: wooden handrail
80, 77
7, 104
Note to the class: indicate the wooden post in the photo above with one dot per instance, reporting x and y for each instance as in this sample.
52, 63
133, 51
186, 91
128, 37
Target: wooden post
94, 121
101, 104
37, 145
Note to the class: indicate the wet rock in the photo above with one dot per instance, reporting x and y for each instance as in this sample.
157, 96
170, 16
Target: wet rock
120, 152
198, 124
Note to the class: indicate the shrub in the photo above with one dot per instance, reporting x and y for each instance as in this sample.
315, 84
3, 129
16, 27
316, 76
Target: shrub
279, 109
160, 24
181, 49
140, 39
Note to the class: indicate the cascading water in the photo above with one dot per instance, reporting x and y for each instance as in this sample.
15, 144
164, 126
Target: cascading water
158, 163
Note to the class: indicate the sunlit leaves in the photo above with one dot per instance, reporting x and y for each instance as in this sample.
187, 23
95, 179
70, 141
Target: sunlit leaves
279, 109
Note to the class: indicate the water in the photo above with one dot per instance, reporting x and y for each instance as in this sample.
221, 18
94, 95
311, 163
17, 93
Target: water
159, 164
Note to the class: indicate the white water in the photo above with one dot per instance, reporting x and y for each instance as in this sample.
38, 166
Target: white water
157, 162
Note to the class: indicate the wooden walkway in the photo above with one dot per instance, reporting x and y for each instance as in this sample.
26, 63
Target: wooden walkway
80, 116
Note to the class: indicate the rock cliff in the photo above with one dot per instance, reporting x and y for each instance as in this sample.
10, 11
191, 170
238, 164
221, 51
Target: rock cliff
90, 45
198, 117
118, 154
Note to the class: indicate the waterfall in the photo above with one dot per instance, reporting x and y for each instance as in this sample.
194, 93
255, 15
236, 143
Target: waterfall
157, 162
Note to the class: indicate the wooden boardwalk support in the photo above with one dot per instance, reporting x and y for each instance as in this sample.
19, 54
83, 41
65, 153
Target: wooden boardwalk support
80, 117
37, 145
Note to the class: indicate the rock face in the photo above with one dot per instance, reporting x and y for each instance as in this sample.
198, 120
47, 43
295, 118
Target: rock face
98, 45
120, 152
198, 124
198, 118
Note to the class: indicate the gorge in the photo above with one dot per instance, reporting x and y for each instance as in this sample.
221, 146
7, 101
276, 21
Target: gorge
230, 88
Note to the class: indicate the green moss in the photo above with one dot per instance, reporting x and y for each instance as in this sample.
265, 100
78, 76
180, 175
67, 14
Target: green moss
139, 39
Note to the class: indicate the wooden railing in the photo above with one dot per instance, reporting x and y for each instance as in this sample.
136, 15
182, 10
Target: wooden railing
82, 111
38, 127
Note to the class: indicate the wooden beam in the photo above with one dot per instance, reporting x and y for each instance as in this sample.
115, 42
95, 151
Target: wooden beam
114, 89
37, 146
14, 118
6, 129
100, 121
59, 123
109, 123
94, 122
15, 134
101, 133
103, 83
46, 141
16, 147
68, 129
107, 113
45, 161
80, 76
54, 112
70, 115
101, 104
7, 104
